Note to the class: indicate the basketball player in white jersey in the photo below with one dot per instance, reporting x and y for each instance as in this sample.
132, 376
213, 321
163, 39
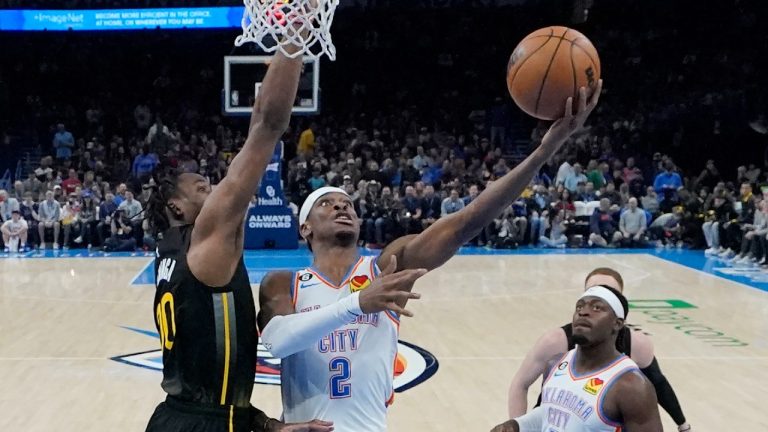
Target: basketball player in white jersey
335, 324
594, 387
553, 344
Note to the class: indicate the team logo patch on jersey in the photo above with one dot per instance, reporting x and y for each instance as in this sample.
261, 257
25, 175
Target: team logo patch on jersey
305, 277
593, 386
359, 283
413, 364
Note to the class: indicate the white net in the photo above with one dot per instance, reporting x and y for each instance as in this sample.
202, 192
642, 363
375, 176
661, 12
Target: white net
276, 24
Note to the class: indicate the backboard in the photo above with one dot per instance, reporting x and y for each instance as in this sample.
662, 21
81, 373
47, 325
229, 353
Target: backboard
243, 76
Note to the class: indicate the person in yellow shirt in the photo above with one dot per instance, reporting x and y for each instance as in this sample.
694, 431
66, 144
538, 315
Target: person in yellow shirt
307, 140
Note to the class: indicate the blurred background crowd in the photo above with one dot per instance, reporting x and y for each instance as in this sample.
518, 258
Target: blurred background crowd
674, 156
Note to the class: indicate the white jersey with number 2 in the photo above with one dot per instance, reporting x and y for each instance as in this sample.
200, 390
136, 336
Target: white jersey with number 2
347, 376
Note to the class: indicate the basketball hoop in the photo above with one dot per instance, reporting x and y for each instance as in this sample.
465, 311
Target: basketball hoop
275, 24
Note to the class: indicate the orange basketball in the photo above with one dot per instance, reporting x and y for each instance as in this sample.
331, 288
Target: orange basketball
547, 67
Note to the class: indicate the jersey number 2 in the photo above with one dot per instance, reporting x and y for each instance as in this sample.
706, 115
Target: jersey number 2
166, 322
340, 388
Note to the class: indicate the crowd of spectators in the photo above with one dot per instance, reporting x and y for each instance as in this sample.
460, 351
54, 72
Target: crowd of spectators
632, 178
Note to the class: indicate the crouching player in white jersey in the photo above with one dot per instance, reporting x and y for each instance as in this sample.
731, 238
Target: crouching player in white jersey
335, 324
594, 387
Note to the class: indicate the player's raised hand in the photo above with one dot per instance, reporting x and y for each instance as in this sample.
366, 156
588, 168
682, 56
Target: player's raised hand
388, 288
570, 123
313, 426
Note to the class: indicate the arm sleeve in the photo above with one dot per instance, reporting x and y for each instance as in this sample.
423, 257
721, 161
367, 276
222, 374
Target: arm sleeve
664, 392
288, 334
531, 421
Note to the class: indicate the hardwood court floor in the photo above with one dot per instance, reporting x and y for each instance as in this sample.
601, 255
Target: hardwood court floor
61, 320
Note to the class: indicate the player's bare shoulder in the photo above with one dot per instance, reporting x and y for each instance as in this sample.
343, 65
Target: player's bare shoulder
275, 296
551, 346
642, 349
631, 395
275, 280
632, 382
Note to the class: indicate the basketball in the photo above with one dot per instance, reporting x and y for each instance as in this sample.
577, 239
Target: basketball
547, 67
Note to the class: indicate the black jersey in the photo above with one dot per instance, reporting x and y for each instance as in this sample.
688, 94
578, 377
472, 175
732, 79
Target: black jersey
208, 335
623, 340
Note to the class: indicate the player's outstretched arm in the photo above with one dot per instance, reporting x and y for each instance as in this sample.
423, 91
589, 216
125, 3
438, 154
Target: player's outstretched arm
313, 426
636, 403
261, 422
551, 345
217, 239
438, 243
285, 332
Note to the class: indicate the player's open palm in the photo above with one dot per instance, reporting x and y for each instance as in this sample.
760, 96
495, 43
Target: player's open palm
563, 128
389, 290
313, 426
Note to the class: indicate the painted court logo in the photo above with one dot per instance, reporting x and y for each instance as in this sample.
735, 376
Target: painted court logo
677, 314
413, 365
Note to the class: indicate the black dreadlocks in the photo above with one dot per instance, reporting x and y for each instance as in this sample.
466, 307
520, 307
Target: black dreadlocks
157, 203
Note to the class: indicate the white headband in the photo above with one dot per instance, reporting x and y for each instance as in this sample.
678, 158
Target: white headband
607, 296
314, 196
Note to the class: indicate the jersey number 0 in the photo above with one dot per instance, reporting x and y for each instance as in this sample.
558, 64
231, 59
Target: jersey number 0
166, 322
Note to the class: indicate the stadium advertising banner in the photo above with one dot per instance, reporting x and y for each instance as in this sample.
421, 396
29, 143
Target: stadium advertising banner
270, 223
120, 19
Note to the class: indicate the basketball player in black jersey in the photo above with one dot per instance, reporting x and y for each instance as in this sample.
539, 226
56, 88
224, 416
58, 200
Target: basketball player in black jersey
204, 308
553, 344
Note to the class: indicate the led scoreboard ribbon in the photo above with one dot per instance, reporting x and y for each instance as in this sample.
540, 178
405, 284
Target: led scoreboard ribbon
120, 19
